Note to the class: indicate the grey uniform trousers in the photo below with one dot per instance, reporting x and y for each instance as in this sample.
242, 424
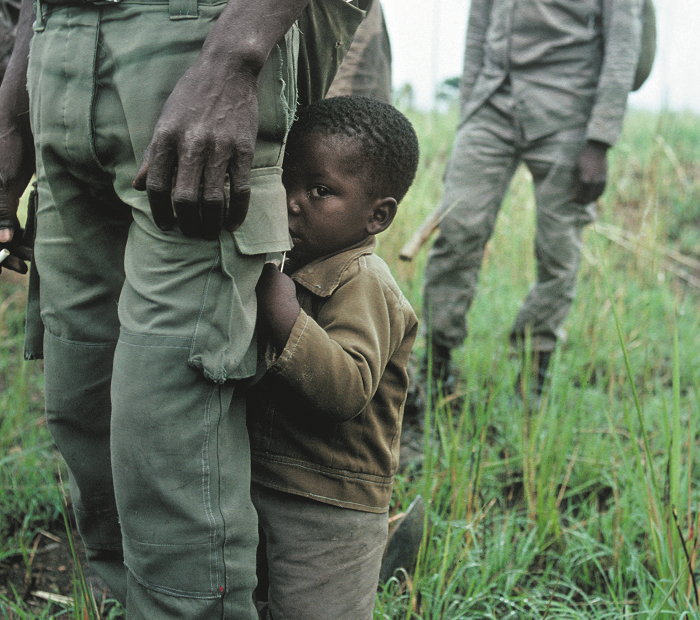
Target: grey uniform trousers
148, 333
487, 150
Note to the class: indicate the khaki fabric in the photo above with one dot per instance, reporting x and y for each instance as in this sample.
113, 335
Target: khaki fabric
326, 418
541, 77
316, 561
327, 28
647, 51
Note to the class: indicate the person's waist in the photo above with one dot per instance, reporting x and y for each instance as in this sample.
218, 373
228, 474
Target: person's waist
110, 2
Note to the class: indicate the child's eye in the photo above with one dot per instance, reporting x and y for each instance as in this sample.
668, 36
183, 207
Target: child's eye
319, 192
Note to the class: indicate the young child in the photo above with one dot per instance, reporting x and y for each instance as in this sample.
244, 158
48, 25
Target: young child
325, 420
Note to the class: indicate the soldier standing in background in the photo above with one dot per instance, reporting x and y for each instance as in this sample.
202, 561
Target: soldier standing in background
545, 82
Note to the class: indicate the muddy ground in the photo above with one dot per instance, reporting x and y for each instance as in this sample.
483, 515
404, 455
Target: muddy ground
48, 568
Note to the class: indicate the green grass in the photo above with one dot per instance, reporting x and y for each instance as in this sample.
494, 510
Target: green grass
562, 512
567, 511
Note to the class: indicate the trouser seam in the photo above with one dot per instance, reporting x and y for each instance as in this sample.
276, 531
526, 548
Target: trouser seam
206, 493
78, 343
168, 591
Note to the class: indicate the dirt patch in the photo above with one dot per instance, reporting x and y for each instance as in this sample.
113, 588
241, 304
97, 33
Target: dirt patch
47, 568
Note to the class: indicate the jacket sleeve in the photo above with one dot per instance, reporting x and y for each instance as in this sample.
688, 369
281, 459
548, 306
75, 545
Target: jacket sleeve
334, 364
622, 32
479, 17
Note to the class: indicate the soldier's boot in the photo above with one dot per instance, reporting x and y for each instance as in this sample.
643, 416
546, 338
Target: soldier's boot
439, 365
432, 379
531, 391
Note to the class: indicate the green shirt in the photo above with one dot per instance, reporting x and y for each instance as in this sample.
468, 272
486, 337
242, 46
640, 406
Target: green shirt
569, 62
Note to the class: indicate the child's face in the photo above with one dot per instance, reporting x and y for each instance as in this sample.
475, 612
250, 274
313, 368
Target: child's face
328, 206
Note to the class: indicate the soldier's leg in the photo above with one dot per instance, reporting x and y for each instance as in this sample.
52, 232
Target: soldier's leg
180, 448
560, 222
484, 158
81, 330
81, 234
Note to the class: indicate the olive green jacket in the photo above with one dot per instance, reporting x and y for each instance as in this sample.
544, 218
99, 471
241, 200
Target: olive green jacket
571, 63
325, 420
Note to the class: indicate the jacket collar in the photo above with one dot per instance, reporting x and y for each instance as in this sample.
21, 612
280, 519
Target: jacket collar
322, 276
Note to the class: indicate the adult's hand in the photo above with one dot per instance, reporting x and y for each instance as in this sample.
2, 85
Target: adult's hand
18, 249
207, 129
209, 123
16, 144
591, 172
16, 169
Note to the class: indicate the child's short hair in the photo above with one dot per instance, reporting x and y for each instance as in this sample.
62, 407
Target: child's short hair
388, 141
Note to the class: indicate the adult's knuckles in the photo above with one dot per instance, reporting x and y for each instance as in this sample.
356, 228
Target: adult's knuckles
213, 196
186, 195
240, 192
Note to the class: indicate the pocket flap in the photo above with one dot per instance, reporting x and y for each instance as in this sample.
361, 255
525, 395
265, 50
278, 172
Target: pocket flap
265, 228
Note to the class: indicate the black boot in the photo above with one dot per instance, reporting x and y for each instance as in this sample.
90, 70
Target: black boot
543, 358
441, 367
401, 551
431, 374
540, 363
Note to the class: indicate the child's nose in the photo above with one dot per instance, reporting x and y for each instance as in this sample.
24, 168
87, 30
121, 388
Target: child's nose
292, 206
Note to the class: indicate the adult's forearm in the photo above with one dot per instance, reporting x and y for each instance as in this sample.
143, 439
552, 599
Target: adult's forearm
479, 17
14, 100
622, 33
17, 163
246, 32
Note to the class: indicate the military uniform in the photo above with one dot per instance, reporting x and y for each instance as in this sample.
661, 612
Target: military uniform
541, 78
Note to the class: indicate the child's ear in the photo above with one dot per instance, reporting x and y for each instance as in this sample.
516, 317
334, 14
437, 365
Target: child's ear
381, 216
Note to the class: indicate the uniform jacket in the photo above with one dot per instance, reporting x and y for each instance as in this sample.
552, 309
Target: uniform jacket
569, 62
325, 420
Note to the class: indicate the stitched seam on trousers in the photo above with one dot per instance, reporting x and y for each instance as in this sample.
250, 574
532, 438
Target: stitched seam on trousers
206, 492
77, 343
126, 332
148, 346
170, 591
93, 99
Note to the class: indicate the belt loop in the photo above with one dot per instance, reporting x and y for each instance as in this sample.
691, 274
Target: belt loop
182, 9
39, 13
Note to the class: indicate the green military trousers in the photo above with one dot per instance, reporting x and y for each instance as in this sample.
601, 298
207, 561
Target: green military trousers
149, 335
487, 150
